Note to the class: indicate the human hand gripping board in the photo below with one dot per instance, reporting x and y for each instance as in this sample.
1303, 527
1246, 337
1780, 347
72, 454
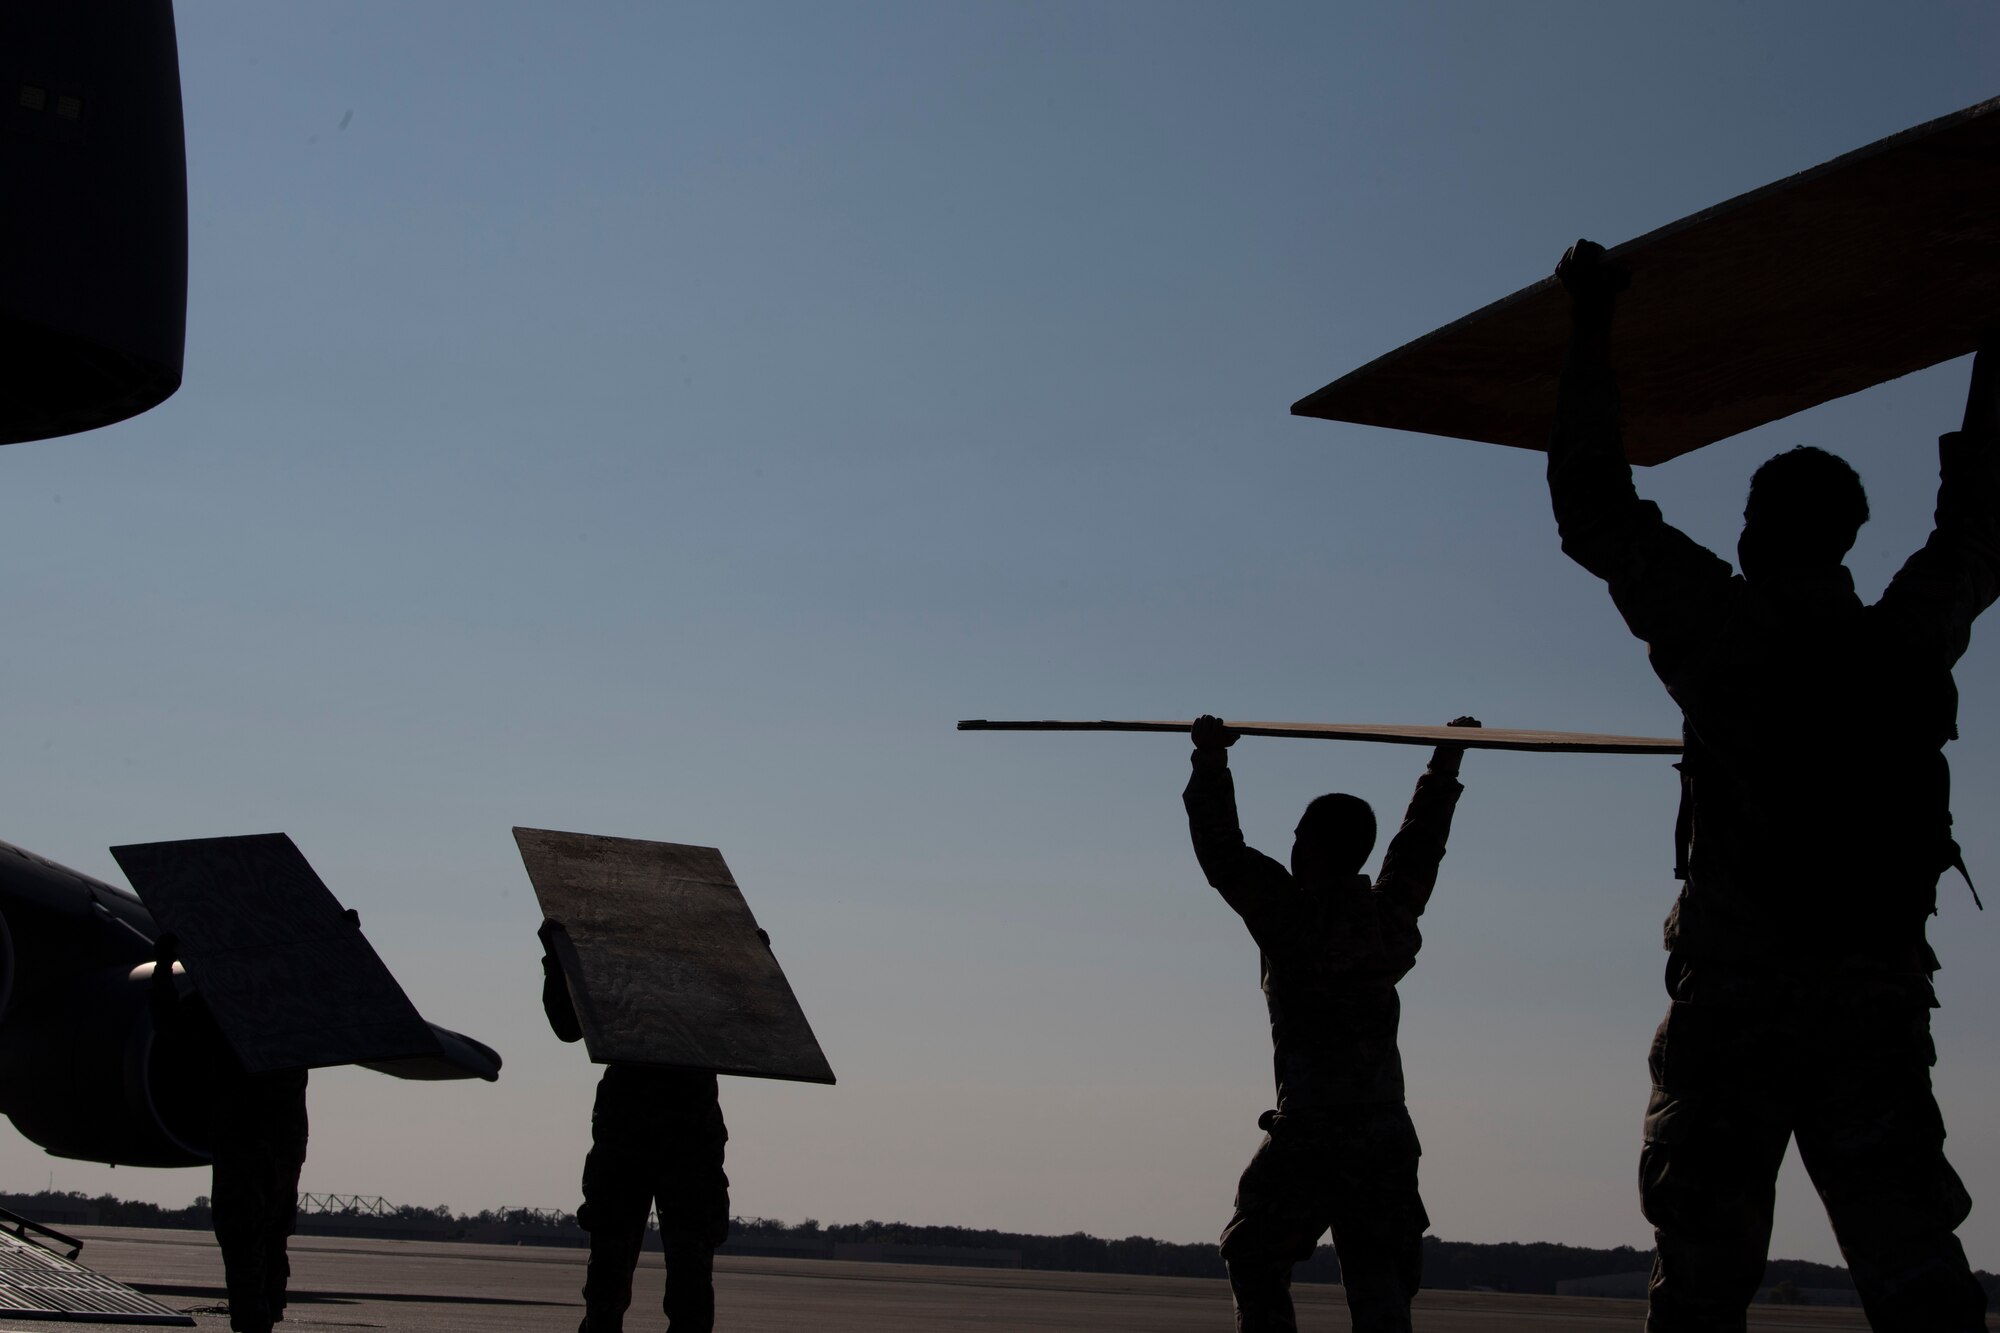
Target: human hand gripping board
284, 969
1481, 738
1868, 267
664, 961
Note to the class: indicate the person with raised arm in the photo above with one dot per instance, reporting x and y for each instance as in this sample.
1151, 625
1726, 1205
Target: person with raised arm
1339, 1150
1814, 825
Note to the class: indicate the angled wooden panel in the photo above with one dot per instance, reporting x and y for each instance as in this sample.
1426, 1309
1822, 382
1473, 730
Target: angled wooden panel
291, 983
664, 960
1868, 267
1472, 738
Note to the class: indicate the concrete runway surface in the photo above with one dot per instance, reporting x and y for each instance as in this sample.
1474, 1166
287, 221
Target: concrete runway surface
412, 1286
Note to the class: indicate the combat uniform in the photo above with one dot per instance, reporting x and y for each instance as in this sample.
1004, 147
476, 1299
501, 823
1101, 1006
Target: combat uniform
257, 1142
259, 1150
1815, 823
657, 1139
1339, 1151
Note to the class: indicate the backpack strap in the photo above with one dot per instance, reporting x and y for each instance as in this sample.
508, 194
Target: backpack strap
1958, 864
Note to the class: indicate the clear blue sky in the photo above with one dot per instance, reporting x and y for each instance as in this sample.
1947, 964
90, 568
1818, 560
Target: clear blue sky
666, 421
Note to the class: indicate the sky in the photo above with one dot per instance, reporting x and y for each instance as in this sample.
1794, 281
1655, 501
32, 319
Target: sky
667, 420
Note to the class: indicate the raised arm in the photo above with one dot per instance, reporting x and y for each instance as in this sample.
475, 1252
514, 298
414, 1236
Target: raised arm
1661, 580
556, 1002
1942, 589
1249, 881
1410, 866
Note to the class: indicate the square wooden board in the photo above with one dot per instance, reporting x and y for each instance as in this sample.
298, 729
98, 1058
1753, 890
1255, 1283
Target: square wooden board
664, 960
291, 983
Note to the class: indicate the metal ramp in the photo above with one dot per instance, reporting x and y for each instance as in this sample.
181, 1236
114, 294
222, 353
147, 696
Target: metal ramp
37, 1282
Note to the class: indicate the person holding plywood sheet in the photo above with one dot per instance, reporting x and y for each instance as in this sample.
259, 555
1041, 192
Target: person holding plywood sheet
656, 1139
1815, 823
260, 975
257, 1135
653, 960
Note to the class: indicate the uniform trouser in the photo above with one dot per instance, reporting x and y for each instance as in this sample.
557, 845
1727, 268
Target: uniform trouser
1732, 1083
1354, 1171
687, 1186
255, 1198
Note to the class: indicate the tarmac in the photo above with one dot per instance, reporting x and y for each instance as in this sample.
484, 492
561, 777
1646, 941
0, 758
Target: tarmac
412, 1286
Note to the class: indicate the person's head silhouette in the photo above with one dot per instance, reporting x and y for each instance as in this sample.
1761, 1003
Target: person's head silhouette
1805, 507
1332, 841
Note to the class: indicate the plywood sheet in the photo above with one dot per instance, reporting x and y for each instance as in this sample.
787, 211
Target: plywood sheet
458, 1056
291, 982
1472, 738
1868, 267
664, 958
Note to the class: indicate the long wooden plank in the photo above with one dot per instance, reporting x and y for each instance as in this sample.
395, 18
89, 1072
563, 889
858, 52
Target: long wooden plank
664, 960
1472, 738
1868, 267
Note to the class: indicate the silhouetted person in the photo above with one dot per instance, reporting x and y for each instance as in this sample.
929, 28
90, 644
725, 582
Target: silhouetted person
1815, 822
656, 1139
1339, 1151
257, 1143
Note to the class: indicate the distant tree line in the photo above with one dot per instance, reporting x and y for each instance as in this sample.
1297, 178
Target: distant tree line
1074, 1253
115, 1212
1448, 1265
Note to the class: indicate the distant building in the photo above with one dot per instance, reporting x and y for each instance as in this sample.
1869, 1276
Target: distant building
375, 1228
533, 1233
778, 1247
367, 1215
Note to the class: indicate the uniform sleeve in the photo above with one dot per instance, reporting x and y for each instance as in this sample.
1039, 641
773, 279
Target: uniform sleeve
1257, 887
556, 1002
1665, 584
1410, 866
1942, 589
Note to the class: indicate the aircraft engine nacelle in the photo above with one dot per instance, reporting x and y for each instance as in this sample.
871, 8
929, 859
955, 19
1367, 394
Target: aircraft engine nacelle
93, 213
84, 1075
6, 967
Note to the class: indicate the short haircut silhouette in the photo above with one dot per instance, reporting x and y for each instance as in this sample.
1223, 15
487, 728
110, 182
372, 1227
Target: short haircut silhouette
1809, 503
1341, 828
